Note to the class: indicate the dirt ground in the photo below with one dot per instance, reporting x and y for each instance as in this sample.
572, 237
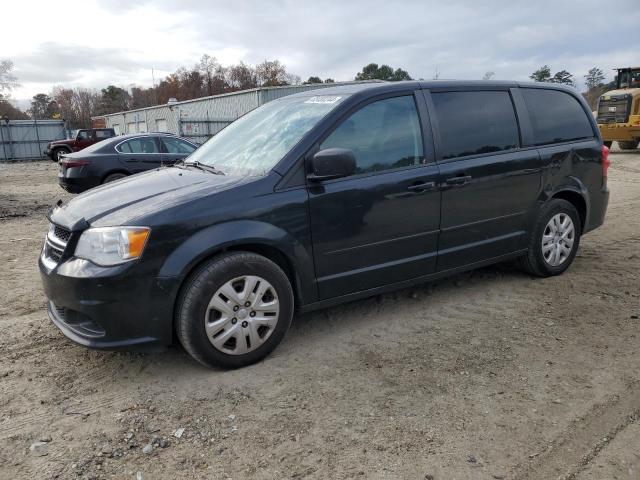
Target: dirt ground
490, 374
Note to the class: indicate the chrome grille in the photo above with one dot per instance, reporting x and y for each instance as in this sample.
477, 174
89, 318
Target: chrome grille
54, 245
614, 109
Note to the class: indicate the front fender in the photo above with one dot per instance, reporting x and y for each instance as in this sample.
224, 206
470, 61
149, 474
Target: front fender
216, 238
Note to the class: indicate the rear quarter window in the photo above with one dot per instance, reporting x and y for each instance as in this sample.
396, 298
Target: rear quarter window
475, 122
102, 134
556, 116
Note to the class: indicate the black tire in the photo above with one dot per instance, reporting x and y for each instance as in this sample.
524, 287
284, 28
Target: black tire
58, 152
607, 144
198, 291
533, 261
113, 177
631, 145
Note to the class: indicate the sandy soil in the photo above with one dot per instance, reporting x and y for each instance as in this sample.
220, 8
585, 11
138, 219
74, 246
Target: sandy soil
487, 375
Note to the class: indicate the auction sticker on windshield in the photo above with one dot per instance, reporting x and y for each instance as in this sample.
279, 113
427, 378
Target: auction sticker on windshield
324, 99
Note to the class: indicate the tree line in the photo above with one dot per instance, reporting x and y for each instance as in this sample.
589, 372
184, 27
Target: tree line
594, 81
208, 77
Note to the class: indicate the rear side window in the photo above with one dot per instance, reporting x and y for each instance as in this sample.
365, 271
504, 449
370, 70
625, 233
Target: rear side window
173, 145
473, 123
382, 135
139, 145
102, 134
556, 116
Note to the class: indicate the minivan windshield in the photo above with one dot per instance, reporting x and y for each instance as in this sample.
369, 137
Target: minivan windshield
253, 144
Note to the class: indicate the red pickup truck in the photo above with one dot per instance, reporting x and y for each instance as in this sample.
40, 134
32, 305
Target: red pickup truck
82, 139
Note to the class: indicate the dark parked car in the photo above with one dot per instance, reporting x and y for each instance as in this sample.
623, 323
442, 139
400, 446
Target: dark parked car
81, 140
119, 157
321, 198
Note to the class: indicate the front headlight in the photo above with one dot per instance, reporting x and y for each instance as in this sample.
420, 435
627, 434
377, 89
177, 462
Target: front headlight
108, 246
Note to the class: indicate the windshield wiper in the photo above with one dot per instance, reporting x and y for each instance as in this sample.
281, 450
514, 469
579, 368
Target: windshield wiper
204, 167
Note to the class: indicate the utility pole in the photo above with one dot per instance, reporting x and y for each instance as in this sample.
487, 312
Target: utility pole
153, 87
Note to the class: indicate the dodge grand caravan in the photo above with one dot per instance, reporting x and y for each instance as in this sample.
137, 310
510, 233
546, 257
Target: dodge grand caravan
320, 198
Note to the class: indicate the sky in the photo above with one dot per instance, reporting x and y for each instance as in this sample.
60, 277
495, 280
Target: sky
93, 43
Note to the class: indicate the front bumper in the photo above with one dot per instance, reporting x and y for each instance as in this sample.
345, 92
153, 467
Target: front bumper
109, 308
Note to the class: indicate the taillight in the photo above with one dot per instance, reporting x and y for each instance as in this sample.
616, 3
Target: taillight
605, 161
70, 163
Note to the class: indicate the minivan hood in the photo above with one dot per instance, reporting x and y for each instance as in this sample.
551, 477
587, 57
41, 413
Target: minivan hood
133, 197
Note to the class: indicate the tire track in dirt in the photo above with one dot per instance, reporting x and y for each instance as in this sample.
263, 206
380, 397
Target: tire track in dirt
581, 441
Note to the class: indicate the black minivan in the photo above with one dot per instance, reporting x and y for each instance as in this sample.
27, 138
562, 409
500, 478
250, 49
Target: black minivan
324, 197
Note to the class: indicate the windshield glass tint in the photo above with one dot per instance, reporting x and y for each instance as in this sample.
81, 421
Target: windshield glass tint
254, 143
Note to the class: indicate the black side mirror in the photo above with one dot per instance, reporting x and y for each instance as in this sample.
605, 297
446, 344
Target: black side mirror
332, 163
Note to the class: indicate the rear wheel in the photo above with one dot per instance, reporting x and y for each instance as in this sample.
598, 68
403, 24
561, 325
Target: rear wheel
113, 177
234, 310
630, 145
554, 240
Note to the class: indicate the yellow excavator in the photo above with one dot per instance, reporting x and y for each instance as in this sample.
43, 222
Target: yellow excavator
618, 112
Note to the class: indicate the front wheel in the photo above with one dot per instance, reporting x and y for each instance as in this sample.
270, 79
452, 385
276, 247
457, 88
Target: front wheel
59, 153
554, 240
234, 310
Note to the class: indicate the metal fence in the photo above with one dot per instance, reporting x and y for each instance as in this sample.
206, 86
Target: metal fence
26, 139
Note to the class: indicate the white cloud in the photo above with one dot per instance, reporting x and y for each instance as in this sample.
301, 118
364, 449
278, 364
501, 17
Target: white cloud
93, 43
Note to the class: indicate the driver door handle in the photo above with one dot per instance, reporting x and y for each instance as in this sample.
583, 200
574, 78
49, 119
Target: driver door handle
422, 186
458, 181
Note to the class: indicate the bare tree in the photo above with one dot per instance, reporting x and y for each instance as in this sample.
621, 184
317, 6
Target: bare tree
65, 101
142, 97
191, 84
271, 73
7, 110
242, 76
213, 74
292, 79
87, 105
7, 81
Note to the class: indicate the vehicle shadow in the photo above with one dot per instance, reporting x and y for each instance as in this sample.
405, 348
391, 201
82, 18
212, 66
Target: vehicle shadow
329, 325
418, 293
